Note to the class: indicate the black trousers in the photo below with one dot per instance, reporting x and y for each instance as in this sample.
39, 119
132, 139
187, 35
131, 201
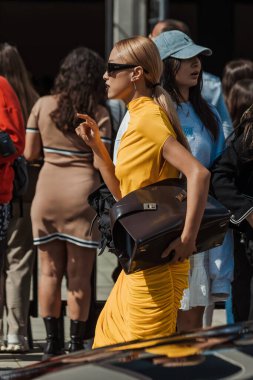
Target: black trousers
243, 274
4, 222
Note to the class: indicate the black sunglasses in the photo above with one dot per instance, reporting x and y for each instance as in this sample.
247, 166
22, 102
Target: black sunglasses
111, 67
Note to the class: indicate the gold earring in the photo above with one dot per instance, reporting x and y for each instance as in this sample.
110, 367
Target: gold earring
134, 86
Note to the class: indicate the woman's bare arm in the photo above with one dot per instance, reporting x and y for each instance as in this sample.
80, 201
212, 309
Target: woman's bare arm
33, 146
198, 178
89, 132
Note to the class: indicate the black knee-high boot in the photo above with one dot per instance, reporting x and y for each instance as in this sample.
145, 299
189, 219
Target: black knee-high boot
53, 346
77, 332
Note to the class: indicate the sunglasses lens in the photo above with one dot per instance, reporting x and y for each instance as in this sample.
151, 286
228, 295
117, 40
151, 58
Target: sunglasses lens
112, 67
117, 66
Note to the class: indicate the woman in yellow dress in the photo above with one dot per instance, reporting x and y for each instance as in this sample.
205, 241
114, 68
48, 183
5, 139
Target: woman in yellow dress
144, 304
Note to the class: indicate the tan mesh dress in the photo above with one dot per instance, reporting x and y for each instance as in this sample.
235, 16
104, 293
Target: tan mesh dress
60, 209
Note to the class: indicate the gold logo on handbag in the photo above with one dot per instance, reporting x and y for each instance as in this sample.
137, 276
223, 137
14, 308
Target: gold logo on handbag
181, 196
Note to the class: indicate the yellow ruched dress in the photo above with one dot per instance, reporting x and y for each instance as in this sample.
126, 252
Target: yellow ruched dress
143, 304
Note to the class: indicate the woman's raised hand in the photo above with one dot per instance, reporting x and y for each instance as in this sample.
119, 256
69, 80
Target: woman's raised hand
88, 130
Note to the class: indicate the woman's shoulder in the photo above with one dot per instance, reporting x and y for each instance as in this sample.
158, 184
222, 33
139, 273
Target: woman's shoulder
154, 119
45, 104
152, 111
47, 100
42, 108
144, 110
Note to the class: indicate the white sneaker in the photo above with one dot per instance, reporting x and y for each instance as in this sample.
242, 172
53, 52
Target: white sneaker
17, 343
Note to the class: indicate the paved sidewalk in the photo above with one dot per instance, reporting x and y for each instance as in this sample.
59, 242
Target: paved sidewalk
105, 266
12, 361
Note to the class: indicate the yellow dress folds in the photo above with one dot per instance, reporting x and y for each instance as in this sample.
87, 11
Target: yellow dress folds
143, 304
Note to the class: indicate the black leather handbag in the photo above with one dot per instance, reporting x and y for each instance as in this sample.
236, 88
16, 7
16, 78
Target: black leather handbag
147, 220
101, 200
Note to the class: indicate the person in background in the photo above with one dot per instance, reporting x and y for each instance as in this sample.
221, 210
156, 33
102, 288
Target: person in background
20, 255
211, 87
144, 304
169, 24
232, 184
12, 134
234, 71
239, 100
211, 271
61, 215
212, 92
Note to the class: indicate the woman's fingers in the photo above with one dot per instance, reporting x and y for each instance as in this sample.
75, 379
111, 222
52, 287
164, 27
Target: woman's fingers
87, 119
169, 249
77, 130
81, 116
88, 122
88, 130
178, 251
80, 130
85, 128
83, 131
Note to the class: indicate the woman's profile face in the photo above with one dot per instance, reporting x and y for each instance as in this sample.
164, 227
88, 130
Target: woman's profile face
188, 73
118, 79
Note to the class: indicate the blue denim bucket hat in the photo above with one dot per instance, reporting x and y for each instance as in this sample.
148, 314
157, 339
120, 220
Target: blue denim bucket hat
177, 44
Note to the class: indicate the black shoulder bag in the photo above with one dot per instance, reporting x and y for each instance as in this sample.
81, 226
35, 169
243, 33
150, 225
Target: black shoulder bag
140, 226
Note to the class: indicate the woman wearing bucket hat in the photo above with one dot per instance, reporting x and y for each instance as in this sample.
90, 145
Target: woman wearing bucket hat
211, 271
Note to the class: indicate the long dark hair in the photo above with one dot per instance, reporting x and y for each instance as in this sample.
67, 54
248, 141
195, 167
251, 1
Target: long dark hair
171, 67
240, 99
235, 70
13, 69
246, 127
80, 87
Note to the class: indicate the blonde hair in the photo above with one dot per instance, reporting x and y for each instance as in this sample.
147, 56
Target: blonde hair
142, 51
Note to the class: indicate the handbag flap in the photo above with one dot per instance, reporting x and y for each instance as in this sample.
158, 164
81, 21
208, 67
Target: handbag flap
146, 197
155, 197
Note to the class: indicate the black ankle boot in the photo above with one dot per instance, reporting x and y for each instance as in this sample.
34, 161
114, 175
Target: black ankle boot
77, 331
53, 346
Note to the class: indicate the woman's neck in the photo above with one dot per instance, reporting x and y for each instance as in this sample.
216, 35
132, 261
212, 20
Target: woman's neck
184, 94
138, 93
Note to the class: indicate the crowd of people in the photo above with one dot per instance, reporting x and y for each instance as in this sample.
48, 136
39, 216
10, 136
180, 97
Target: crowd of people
164, 117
